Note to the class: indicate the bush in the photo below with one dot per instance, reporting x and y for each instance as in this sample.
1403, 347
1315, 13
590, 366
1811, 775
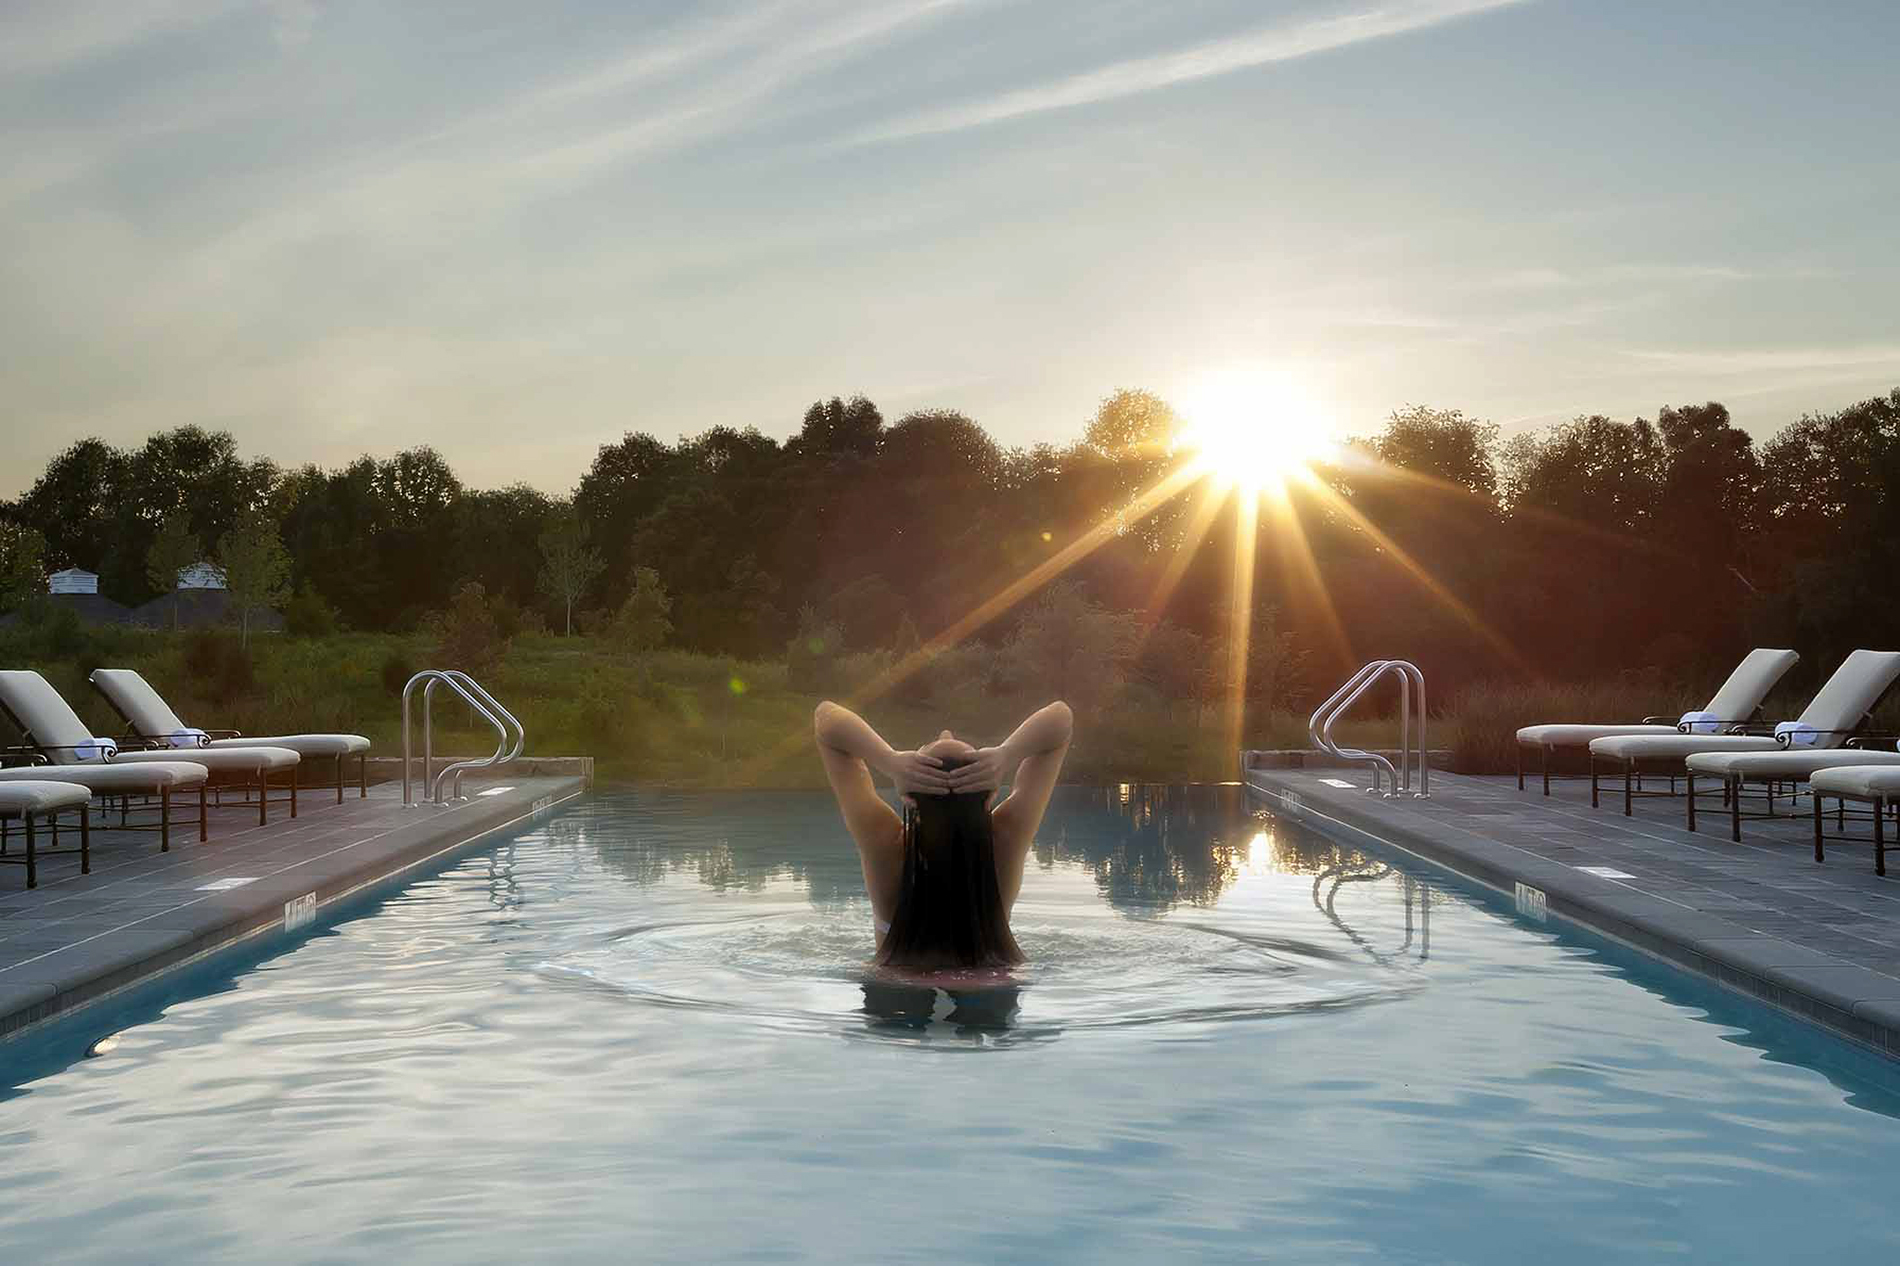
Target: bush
468, 635
398, 668
514, 620
815, 654
218, 661
308, 615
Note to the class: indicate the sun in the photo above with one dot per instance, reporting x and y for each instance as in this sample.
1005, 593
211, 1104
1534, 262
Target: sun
1253, 429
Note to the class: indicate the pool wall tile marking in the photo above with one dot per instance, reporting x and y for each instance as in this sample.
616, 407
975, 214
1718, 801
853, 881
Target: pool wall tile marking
300, 912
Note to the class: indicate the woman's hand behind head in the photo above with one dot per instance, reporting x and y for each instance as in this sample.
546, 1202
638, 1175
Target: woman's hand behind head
916, 774
984, 771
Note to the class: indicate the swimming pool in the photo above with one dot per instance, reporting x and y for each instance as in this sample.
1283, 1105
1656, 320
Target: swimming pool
639, 1030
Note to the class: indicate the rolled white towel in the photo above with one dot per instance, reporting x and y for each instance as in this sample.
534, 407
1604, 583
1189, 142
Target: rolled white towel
1797, 734
1699, 723
95, 751
188, 737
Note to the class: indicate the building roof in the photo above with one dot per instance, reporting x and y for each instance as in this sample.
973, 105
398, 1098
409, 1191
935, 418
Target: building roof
73, 580
197, 608
93, 608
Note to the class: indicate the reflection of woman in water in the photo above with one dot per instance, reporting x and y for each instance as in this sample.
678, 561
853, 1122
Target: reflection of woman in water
943, 877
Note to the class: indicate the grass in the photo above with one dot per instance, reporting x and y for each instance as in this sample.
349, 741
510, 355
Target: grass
680, 719
674, 718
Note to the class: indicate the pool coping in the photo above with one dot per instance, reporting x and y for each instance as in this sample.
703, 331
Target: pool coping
283, 902
1845, 998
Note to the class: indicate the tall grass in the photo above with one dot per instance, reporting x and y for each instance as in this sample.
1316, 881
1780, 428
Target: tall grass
1481, 730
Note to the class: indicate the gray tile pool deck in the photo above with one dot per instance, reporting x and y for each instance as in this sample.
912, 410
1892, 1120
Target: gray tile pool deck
76, 938
1818, 939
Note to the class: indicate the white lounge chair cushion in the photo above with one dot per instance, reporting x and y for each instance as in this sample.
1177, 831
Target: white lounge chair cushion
1750, 683
1863, 782
243, 760
136, 778
1799, 763
1851, 693
46, 716
1667, 746
1582, 735
148, 712
135, 699
312, 746
37, 795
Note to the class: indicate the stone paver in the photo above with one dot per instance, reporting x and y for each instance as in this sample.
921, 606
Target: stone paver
1819, 939
78, 937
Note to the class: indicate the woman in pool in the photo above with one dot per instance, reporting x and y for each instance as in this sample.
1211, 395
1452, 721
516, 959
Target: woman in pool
943, 877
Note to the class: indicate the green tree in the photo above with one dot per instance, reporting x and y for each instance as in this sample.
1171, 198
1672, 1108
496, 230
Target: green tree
1171, 661
173, 549
1068, 647
22, 565
1442, 444
256, 570
568, 563
641, 624
468, 637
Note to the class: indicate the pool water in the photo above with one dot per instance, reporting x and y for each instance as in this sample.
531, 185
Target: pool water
641, 1029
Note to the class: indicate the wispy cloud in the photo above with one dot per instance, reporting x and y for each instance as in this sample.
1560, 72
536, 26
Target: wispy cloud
1772, 359
1277, 43
47, 38
1638, 274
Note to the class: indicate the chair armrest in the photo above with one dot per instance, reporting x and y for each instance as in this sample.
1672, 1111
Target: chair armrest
16, 756
224, 734
1852, 735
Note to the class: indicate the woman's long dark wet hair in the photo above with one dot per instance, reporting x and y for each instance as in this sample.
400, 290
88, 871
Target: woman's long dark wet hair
949, 908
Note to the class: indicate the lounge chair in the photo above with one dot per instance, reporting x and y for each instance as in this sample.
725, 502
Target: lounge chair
1737, 702
1831, 719
54, 732
152, 720
134, 778
1878, 785
1794, 765
26, 797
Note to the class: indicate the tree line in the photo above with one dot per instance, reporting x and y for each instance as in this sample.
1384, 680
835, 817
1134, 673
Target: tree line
1591, 547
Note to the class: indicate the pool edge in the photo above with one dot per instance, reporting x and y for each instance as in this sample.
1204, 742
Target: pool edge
1738, 958
265, 911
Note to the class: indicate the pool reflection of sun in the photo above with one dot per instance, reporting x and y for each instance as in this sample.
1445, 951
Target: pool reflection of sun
1254, 429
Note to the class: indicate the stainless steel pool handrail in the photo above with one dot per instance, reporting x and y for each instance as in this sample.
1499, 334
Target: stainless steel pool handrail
1319, 730
483, 703
496, 713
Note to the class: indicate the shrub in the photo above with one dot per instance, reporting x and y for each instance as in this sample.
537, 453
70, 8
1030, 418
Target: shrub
308, 615
814, 656
397, 670
514, 620
221, 661
467, 634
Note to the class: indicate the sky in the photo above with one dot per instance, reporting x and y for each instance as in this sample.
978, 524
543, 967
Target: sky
516, 232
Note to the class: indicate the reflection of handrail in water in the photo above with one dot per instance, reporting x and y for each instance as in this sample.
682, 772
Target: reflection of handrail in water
1355, 873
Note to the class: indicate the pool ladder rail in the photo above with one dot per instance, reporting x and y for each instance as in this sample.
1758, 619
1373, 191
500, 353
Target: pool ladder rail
1411, 682
444, 787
